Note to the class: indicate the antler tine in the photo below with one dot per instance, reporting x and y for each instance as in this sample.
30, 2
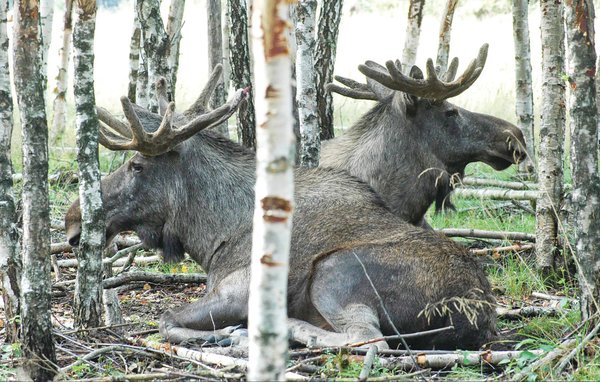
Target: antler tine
161, 95
111, 140
377, 75
112, 122
138, 134
352, 93
450, 73
349, 82
201, 104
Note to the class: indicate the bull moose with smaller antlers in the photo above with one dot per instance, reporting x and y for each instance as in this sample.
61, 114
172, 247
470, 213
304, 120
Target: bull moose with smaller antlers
190, 190
413, 145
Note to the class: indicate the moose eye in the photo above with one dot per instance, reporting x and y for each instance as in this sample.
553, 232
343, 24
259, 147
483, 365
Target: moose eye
451, 113
136, 167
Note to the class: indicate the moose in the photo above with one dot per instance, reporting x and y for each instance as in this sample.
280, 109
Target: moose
190, 190
413, 145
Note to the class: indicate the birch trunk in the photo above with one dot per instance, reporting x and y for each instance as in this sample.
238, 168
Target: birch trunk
523, 87
413, 31
174, 24
156, 45
445, 34
134, 65
550, 169
59, 119
88, 286
215, 57
241, 74
46, 19
36, 326
10, 262
310, 141
579, 16
326, 46
267, 303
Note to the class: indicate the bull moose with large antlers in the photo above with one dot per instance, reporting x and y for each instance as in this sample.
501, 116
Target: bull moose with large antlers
413, 145
190, 190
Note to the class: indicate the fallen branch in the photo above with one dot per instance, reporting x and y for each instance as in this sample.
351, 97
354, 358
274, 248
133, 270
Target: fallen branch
368, 363
158, 278
565, 360
132, 377
497, 194
497, 250
526, 311
549, 357
481, 234
470, 181
71, 263
399, 336
124, 252
98, 352
121, 241
552, 298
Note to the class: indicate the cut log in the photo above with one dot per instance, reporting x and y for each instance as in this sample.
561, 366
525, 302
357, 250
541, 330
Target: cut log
497, 194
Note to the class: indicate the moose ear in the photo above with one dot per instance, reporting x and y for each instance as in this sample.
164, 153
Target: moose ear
416, 73
412, 100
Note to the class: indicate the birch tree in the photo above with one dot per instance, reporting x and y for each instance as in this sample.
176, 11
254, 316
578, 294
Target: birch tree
46, 19
267, 306
59, 119
523, 87
155, 45
36, 326
413, 31
174, 24
215, 56
88, 285
445, 34
241, 73
550, 169
134, 67
310, 141
579, 17
9, 238
328, 26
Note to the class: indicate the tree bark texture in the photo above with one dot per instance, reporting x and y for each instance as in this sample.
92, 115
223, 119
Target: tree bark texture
88, 288
46, 17
59, 118
36, 326
267, 315
174, 24
241, 72
550, 155
215, 57
523, 87
156, 46
413, 31
445, 34
579, 16
310, 140
10, 261
326, 46
134, 66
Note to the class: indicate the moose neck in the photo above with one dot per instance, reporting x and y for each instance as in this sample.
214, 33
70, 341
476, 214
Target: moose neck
219, 178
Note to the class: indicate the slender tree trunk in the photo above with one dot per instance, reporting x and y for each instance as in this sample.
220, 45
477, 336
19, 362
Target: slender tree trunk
445, 32
550, 169
88, 287
47, 16
134, 65
156, 45
267, 315
241, 73
326, 46
59, 119
215, 56
579, 16
523, 87
413, 31
310, 141
174, 23
36, 327
10, 262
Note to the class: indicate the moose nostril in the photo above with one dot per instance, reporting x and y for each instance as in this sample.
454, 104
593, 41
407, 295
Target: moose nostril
74, 241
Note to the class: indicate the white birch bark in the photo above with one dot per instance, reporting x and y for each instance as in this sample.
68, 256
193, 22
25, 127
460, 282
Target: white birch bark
36, 327
88, 286
10, 262
445, 34
174, 24
310, 141
134, 64
215, 57
267, 312
330, 16
579, 17
47, 17
523, 87
59, 118
156, 46
550, 168
413, 32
